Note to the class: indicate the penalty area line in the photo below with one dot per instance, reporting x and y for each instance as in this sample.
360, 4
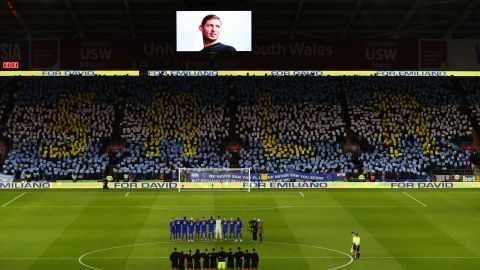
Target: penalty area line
302, 194
13, 199
424, 205
209, 207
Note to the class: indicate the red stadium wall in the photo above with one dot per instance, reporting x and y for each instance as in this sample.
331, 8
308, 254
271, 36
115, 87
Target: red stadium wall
267, 54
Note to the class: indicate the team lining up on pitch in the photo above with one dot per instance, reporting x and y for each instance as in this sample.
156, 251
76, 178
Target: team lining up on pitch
196, 230
215, 260
213, 229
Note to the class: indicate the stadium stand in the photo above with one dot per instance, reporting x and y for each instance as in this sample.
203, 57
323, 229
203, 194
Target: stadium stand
407, 127
60, 126
471, 86
171, 123
5, 92
291, 124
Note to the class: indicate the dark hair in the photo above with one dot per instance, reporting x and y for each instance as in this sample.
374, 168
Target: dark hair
209, 17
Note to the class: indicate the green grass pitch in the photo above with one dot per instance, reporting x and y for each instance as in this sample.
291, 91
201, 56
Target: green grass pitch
304, 229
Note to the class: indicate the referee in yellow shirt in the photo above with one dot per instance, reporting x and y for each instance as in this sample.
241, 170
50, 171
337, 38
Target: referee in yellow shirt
356, 247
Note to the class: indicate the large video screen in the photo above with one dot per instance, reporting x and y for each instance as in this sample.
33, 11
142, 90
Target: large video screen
214, 31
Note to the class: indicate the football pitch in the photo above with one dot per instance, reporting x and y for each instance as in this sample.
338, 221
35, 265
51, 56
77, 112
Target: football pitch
304, 229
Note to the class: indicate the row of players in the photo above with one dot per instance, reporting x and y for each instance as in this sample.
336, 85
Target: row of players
196, 230
215, 260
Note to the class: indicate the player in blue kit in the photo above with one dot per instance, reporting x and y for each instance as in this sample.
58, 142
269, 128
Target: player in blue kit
197, 230
191, 229
238, 225
211, 228
184, 229
225, 224
232, 229
203, 223
178, 229
172, 229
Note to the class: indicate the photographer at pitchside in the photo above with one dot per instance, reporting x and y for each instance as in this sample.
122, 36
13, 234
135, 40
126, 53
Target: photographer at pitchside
254, 228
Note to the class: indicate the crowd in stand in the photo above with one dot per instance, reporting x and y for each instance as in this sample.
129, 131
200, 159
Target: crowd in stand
471, 87
6, 88
407, 127
61, 126
174, 122
291, 124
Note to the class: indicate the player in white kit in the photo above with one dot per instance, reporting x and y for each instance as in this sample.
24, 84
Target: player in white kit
218, 229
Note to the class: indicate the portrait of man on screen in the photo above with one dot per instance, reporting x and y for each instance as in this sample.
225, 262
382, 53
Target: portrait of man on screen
211, 28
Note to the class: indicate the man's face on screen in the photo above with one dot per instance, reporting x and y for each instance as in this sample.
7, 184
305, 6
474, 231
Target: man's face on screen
211, 29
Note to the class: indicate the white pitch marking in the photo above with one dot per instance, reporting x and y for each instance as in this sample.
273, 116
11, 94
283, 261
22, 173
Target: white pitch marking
126, 195
85, 256
224, 196
375, 258
302, 194
209, 207
424, 205
277, 257
13, 199
33, 258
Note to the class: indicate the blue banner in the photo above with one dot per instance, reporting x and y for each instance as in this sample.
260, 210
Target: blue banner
272, 177
5, 178
222, 177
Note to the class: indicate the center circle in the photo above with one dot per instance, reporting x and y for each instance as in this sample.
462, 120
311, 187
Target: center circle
85, 256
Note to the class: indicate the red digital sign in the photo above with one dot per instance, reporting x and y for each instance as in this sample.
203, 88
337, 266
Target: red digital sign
10, 65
